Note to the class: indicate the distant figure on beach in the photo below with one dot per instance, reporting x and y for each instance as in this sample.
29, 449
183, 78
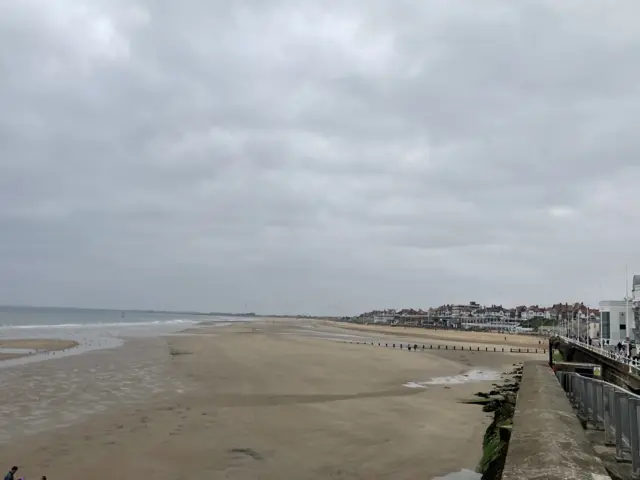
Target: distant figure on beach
12, 472
44, 477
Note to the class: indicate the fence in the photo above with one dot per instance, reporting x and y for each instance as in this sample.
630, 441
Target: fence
634, 365
607, 407
470, 348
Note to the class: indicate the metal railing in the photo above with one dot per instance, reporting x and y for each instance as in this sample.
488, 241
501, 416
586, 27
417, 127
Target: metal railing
634, 365
607, 407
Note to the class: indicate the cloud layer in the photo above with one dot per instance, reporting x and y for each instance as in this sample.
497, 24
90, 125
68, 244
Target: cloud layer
294, 156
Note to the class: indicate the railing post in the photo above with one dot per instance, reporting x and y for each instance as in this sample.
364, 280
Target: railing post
581, 395
609, 408
591, 393
617, 413
599, 404
625, 411
634, 440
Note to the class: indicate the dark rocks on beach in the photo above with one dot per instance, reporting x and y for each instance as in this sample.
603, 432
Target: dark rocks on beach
502, 402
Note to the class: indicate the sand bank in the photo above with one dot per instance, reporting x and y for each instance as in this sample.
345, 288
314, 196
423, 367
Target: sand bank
253, 403
16, 348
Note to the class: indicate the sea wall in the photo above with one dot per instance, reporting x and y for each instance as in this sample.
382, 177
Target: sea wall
547, 440
501, 401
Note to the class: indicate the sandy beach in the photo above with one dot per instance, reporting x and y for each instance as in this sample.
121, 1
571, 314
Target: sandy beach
250, 401
17, 348
460, 336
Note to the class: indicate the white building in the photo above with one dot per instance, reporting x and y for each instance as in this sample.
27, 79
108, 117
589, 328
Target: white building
593, 329
616, 321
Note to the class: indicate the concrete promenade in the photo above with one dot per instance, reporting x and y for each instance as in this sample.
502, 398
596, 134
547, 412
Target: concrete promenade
547, 439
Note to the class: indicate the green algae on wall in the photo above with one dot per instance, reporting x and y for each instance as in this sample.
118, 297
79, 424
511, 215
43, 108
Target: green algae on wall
496, 438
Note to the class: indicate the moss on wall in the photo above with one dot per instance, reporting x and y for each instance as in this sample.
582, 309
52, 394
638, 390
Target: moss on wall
498, 433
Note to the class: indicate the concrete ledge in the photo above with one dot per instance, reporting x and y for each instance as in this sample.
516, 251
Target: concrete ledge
547, 440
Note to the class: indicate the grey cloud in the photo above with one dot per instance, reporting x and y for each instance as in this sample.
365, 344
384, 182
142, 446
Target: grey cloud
316, 158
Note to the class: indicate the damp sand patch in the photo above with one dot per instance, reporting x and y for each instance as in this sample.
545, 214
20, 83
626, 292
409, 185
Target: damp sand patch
18, 348
461, 475
468, 377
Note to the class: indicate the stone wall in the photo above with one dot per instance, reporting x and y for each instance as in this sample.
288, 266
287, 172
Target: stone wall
547, 440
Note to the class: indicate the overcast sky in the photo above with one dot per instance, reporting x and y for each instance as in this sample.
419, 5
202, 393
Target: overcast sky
317, 157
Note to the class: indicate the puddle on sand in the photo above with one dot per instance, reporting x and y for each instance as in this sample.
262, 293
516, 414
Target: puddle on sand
461, 475
470, 376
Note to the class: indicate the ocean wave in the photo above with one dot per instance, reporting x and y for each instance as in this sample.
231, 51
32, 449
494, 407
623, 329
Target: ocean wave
176, 321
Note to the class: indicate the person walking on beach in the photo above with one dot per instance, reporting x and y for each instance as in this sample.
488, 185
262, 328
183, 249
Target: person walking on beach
12, 472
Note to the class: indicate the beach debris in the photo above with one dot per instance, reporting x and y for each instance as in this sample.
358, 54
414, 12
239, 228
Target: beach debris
174, 352
248, 452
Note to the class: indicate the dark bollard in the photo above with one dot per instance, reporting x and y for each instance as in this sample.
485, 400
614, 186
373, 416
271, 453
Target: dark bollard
503, 349
423, 347
486, 349
446, 347
400, 346
494, 349
386, 344
454, 347
518, 350
415, 347
438, 347
394, 345
528, 350
478, 348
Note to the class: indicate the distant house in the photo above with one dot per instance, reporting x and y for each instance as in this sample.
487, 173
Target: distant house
383, 319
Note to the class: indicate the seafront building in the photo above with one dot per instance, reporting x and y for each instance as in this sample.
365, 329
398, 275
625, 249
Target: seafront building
616, 321
620, 319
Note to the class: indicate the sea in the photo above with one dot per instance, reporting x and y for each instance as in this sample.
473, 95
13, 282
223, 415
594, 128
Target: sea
121, 359
92, 328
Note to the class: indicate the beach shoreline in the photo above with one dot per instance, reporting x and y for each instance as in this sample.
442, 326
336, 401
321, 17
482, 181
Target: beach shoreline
23, 347
249, 400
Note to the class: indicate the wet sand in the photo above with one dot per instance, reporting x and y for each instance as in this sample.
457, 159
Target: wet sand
45, 344
18, 347
246, 402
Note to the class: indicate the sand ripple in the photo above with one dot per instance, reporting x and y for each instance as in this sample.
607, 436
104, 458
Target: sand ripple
59, 392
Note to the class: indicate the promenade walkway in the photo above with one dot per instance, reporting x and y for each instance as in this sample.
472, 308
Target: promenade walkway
634, 365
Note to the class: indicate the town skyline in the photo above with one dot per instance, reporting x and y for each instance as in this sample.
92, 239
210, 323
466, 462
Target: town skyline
557, 311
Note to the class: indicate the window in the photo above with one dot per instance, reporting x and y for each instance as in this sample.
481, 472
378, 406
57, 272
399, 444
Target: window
623, 326
605, 319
